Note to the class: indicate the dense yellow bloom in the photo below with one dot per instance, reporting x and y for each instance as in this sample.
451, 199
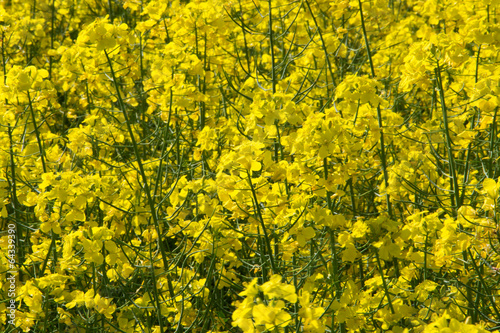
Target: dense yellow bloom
212, 166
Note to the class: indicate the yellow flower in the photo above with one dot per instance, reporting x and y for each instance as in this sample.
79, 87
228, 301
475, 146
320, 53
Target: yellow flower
275, 289
104, 306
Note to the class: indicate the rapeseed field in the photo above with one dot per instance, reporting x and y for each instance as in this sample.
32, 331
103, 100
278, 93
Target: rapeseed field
249, 166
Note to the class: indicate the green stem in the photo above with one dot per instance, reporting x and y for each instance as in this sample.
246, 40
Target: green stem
259, 214
156, 296
145, 185
383, 156
37, 133
455, 197
271, 42
335, 273
485, 286
333, 247
322, 44
384, 283
477, 62
14, 200
493, 136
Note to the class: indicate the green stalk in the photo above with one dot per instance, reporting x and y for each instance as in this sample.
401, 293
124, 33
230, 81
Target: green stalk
487, 290
209, 307
333, 247
351, 195
469, 148
322, 43
52, 9
247, 56
14, 200
110, 9
156, 296
335, 274
33, 10
384, 283
477, 62
141, 92
3, 59
37, 133
271, 42
51, 246
425, 256
146, 188
259, 214
295, 284
383, 156
163, 156
493, 136
455, 198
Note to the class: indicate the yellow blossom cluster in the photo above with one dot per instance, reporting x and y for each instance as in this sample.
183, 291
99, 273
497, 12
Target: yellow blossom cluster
249, 166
